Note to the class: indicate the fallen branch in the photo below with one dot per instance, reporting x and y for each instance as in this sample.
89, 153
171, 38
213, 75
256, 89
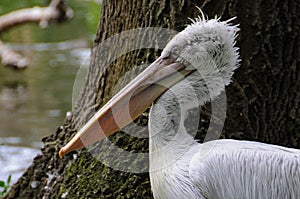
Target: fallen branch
57, 11
12, 59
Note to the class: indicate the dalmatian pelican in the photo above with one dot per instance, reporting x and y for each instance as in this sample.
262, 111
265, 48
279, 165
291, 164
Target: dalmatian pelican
203, 55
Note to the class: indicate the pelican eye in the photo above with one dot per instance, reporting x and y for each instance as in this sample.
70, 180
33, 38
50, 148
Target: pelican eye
175, 51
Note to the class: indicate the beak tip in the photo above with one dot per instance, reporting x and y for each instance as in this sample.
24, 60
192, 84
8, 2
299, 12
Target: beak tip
61, 153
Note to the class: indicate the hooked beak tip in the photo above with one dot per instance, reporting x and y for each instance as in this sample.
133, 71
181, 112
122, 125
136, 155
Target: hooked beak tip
61, 153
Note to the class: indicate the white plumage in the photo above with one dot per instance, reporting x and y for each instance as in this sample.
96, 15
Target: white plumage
181, 168
229, 169
242, 169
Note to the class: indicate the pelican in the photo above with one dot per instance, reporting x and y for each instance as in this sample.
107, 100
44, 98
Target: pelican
203, 55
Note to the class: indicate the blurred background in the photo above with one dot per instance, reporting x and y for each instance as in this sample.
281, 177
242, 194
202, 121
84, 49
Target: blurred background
34, 101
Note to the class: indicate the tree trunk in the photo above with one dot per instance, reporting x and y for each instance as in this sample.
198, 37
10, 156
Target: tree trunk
262, 102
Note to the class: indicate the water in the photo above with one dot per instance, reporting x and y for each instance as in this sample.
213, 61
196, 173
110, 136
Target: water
33, 102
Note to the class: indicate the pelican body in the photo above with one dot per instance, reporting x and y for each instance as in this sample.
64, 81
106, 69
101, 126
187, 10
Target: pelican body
193, 69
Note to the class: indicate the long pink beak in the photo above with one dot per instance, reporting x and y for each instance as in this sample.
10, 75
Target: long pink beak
129, 103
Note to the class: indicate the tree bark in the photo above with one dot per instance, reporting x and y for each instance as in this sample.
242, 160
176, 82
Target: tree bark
262, 102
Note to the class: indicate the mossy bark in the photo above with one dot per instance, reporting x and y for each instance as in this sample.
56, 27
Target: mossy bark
262, 102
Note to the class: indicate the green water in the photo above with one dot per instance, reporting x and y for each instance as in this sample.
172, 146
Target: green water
34, 102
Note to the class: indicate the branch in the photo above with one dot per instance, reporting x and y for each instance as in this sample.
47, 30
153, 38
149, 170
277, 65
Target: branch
11, 58
57, 11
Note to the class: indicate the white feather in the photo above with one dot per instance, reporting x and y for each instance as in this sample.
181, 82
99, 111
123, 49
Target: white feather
243, 169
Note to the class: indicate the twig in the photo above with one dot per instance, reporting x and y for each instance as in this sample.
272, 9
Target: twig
55, 12
12, 59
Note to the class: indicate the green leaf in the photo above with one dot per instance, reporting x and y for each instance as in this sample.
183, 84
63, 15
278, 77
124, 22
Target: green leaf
2, 183
8, 180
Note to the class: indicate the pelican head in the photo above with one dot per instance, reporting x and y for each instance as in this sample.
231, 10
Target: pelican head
207, 46
205, 49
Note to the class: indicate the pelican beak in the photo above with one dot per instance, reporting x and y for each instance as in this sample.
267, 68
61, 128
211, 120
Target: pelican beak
129, 103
